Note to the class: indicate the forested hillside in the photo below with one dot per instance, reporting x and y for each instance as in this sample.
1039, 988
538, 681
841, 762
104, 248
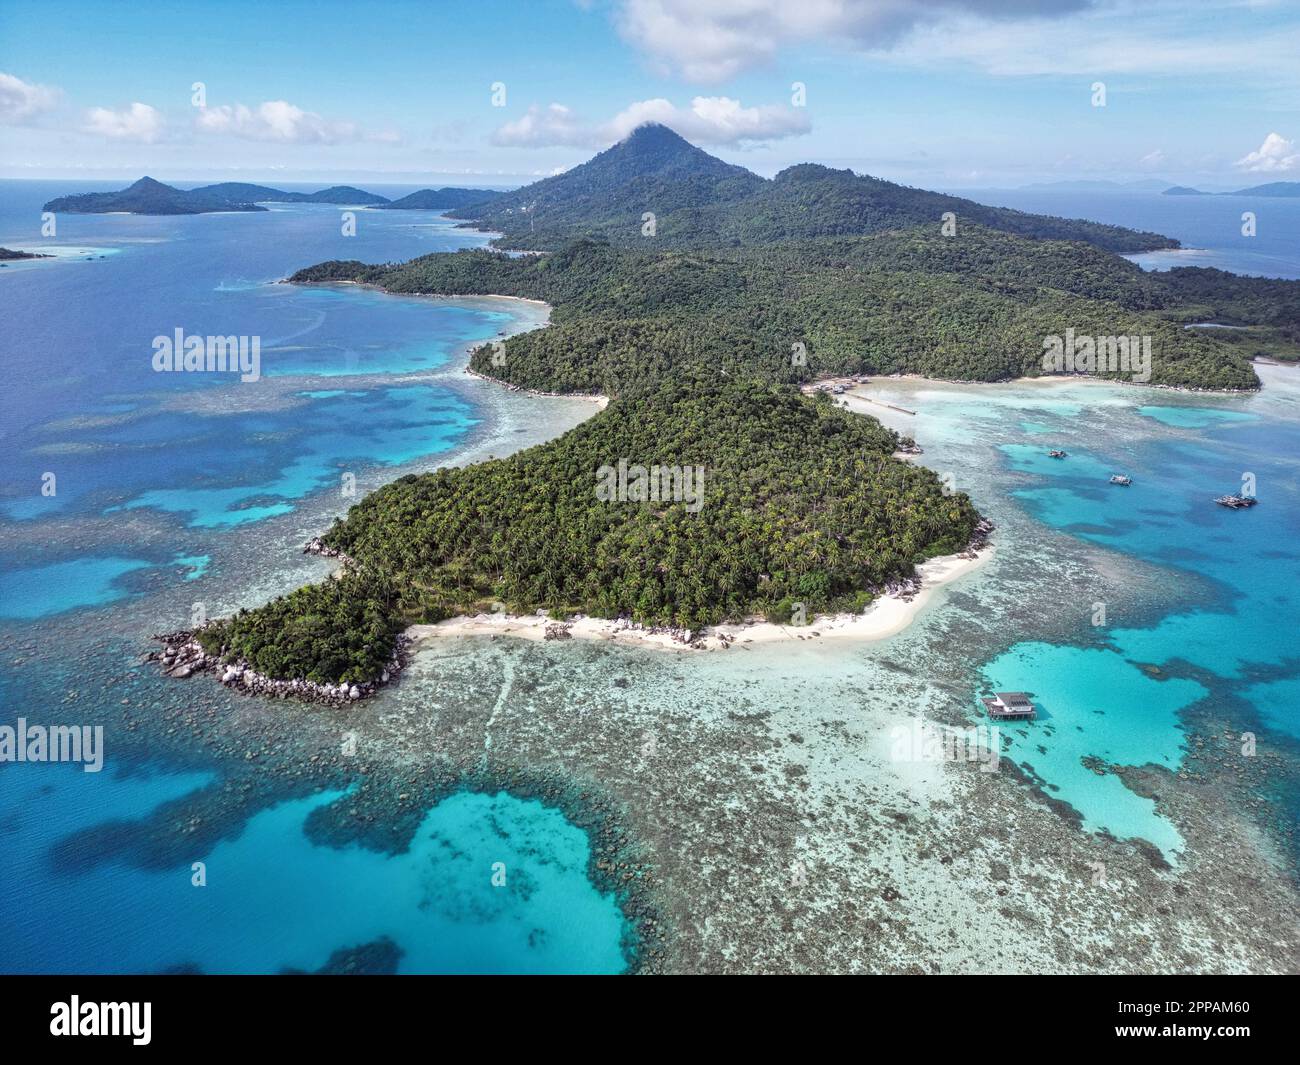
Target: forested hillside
700, 202
975, 306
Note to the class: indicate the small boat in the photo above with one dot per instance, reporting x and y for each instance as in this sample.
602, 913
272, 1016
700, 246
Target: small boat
1119, 478
1236, 502
1055, 454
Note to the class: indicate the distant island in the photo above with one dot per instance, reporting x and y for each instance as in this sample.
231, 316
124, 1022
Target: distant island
701, 336
8, 254
238, 192
148, 196
440, 199
1281, 189
1273, 188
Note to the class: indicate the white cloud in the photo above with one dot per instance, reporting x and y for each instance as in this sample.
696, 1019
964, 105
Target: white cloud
710, 120
1276, 153
139, 122
21, 100
716, 120
1153, 40
544, 127
275, 120
713, 41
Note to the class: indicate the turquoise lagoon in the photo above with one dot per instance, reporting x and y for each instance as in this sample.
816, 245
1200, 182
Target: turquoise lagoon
490, 883
1119, 696
39, 591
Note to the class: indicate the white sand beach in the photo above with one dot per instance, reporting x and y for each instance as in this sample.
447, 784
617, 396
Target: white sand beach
886, 616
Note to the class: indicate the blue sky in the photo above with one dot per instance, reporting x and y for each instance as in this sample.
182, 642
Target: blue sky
940, 93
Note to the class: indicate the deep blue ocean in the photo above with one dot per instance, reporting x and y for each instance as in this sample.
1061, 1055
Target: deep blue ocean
128, 495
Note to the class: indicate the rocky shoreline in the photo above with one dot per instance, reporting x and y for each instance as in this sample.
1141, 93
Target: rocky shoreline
594, 396
182, 656
317, 546
10, 255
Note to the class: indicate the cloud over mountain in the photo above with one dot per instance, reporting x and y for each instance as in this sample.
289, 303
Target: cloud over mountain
710, 120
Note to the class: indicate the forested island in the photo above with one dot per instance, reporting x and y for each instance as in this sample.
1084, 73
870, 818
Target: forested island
701, 343
803, 502
9, 255
148, 196
440, 199
1274, 189
338, 194
1284, 189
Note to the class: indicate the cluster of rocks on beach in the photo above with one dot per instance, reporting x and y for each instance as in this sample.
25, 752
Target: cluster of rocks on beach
317, 546
182, 656
979, 540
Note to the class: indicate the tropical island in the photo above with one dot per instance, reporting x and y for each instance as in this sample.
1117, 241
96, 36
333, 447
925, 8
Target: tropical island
442, 199
9, 255
238, 192
1274, 189
701, 335
148, 196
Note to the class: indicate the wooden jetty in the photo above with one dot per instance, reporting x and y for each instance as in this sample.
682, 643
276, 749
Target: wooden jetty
1011, 706
890, 406
838, 386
